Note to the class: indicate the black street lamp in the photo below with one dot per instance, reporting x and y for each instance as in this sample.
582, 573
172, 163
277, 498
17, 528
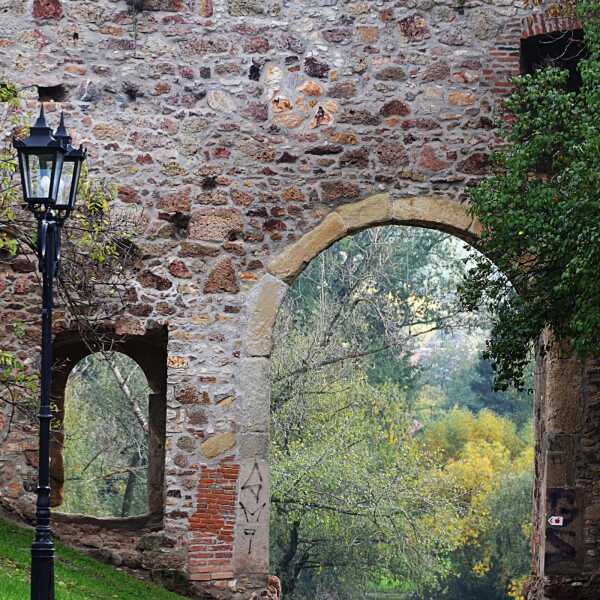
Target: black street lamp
50, 169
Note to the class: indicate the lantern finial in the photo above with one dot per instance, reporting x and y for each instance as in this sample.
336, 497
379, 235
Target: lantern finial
41, 120
61, 134
62, 130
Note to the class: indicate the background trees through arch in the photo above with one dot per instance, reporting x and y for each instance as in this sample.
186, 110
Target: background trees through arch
395, 466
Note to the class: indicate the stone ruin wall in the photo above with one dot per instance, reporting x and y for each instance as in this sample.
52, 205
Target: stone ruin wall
232, 128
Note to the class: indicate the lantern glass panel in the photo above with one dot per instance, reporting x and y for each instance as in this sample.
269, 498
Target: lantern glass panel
41, 168
25, 176
66, 185
75, 184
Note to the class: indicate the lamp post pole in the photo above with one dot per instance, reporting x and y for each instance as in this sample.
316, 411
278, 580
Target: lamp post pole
42, 550
50, 168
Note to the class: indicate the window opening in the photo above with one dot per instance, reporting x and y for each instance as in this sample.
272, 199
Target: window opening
563, 49
106, 437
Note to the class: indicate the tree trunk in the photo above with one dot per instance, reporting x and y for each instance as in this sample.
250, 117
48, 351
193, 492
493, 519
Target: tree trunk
130, 487
286, 565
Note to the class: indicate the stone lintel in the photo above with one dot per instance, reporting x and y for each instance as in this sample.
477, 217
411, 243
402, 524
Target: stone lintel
439, 213
375, 210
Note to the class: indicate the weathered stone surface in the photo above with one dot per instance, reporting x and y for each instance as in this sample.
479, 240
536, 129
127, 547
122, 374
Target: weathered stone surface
152, 280
437, 71
186, 443
342, 89
476, 164
392, 154
314, 68
190, 395
253, 410
257, 45
293, 260
437, 213
375, 210
430, 161
263, 304
244, 8
395, 108
461, 98
178, 268
391, 74
215, 224
324, 150
357, 158
413, 29
222, 278
358, 117
221, 101
239, 134
339, 190
179, 201
288, 120
253, 472
47, 9
166, 5
368, 34
337, 35
310, 88
218, 444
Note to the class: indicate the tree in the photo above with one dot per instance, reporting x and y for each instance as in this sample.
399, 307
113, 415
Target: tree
492, 464
346, 469
367, 299
106, 437
540, 213
347, 475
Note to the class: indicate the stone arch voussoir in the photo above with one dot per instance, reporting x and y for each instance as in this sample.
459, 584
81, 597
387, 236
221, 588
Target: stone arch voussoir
432, 212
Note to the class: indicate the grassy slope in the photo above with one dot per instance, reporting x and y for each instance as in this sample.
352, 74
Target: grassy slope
78, 577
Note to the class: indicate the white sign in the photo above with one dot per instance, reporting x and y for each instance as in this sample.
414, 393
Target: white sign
556, 521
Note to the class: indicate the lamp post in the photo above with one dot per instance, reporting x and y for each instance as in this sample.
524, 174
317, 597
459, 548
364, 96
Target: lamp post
50, 168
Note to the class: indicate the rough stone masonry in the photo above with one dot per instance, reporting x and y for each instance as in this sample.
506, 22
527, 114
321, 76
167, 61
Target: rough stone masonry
246, 136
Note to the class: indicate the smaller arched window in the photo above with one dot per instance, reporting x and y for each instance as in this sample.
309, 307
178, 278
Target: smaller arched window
106, 437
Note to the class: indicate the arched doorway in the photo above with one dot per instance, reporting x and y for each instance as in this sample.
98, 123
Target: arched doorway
555, 376
393, 463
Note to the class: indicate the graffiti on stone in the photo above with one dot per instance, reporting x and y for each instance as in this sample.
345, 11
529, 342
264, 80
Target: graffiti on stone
563, 530
252, 502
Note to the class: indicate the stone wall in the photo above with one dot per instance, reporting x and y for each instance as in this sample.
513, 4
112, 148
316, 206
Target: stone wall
233, 129
566, 561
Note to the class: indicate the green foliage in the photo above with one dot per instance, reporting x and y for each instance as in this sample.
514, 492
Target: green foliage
378, 483
541, 217
8, 93
459, 427
370, 297
492, 464
78, 577
106, 438
346, 474
455, 374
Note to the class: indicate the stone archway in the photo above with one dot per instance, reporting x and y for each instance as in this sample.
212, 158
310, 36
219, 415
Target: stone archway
562, 561
432, 212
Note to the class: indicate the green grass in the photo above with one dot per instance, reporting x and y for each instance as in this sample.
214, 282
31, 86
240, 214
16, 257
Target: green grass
78, 577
